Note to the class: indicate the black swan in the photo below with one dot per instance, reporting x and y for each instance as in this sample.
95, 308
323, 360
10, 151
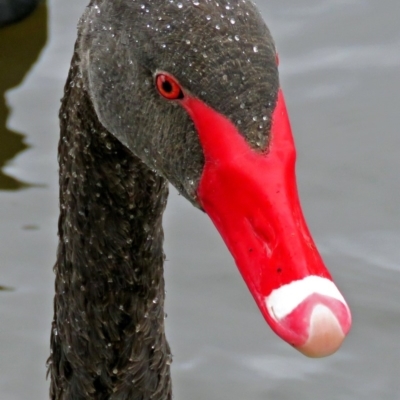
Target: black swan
14, 10
185, 91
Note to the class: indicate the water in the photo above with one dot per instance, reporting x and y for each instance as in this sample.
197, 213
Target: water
340, 73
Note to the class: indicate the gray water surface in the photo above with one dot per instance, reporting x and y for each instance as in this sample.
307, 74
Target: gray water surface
340, 72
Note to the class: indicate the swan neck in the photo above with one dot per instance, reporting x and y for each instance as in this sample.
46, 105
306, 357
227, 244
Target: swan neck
108, 337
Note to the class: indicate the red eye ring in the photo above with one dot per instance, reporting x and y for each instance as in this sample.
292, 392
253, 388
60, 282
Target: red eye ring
168, 87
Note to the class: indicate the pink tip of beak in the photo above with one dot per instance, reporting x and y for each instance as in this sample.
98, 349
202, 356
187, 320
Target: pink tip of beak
325, 333
311, 314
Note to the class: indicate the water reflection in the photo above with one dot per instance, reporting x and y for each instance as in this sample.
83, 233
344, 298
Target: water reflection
20, 46
5, 289
15, 10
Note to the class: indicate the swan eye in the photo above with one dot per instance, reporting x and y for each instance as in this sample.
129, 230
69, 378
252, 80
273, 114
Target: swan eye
168, 87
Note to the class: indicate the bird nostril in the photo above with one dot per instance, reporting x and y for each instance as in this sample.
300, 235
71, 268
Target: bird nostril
265, 238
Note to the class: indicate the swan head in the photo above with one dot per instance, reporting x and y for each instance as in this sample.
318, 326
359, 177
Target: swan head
192, 88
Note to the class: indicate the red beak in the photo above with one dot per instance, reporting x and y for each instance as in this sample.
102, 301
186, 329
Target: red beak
252, 199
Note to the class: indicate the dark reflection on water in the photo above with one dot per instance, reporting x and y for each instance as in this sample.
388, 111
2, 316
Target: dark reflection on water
30, 227
6, 289
20, 46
